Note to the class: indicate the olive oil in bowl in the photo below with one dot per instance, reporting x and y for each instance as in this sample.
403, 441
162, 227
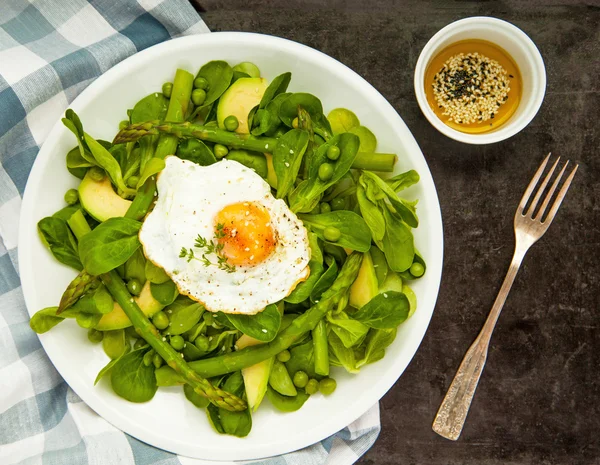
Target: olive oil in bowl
473, 86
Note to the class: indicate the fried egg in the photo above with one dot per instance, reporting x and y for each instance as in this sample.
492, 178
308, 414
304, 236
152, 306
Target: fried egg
223, 238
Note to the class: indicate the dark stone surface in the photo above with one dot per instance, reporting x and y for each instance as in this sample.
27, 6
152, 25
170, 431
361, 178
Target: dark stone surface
539, 397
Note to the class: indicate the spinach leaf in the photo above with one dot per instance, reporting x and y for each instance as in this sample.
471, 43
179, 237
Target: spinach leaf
326, 280
155, 274
286, 403
75, 160
197, 151
195, 398
212, 412
384, 311
106, 369
165, 293
312, 187
135, 267
302, 358
287, 158
109, 245
403, 180
368, 141
342, 120
184, 314
133, 380
289, 107
375, 344
105, 159
405, 210
278, 86
303, 290
115, 343
154, 166
59, 239
350, 331
151, 107
398, 243
355, 233
340, 355
262, 326
372, 215
219, 75
98, 301
73, 124
235, 423
44, 320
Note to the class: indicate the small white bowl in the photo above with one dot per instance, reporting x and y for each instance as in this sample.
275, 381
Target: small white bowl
518, 45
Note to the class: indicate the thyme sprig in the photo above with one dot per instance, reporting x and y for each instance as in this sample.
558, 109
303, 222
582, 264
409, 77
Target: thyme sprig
209, 247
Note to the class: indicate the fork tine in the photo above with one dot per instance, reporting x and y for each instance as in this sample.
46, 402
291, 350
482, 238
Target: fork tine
532, 185
540, 213
560, 197
541, 189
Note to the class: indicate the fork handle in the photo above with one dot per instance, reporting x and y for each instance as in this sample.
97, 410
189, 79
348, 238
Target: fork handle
453, 411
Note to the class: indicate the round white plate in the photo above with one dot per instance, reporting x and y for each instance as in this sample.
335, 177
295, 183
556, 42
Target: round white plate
169, 421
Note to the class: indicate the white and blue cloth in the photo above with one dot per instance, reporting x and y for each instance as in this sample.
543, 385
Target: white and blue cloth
50, 50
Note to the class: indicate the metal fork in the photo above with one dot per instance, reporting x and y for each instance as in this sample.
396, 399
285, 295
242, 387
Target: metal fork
529, 225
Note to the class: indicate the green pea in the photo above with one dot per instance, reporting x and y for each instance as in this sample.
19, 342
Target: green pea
231, 123
339, 203
160, 320
325, 172
417, 270
202, 343
134, 286
208, 318
177, 342
96, 173
284, 356
72, 196
333, 152
167, 89
139, 344
157, 361
132, 181
200, 83
95, 336
324, 207
123, 124
312, 387
198, 97
295, 123
220, 150
300, 379
332, 234
327, 386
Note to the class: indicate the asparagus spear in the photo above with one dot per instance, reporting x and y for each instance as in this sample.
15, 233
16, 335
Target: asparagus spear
234, 361
319, 335
148, 331
364, 160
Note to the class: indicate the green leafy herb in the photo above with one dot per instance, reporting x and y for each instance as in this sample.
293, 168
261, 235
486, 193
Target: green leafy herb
109, 245
375, 344
44, 320
132, 379
355, 233
287, 158
184, 314
209, 247
219, 75
384, 311
262, 326
59, 239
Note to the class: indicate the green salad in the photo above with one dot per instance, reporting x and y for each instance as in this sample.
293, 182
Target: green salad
360, 252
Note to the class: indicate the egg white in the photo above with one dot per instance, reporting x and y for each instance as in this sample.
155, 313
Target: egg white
189, 198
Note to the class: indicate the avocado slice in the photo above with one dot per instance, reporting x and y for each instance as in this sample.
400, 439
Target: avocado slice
117, 319
365, 287
256, 377
243, 95
100, 200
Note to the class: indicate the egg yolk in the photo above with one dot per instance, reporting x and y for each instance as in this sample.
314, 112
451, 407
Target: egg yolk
244, 229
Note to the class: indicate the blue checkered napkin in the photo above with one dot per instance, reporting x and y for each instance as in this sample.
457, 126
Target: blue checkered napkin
50, 50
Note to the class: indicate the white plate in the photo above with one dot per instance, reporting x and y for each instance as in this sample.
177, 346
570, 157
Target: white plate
169, 421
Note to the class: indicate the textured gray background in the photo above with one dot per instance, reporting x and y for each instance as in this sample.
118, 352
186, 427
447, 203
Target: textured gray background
538, 401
